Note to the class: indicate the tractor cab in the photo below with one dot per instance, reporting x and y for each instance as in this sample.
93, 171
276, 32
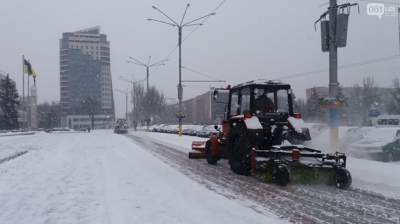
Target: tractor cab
265, 100
269, 104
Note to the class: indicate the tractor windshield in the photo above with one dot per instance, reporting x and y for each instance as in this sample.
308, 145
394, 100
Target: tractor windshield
264, 101
282, 101
271, 101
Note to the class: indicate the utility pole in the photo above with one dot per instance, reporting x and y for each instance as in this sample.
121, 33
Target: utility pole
333, 78
334, 35
180, 27
333, 58
147, 65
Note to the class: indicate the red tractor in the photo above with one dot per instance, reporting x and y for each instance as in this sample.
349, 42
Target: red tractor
261, 135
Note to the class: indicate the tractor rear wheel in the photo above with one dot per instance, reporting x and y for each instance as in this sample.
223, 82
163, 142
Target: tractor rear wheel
211, 159
240, 155
343, 178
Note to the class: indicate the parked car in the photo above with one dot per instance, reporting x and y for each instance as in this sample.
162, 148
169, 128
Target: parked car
391, 151
377, 143
158, 128
206, 131
189, 131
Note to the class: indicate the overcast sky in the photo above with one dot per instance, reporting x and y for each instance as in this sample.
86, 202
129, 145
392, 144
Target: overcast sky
246, 40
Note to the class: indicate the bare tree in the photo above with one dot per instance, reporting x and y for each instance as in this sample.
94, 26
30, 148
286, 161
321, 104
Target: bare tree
314, 111
393, 104
49, 115
370, 96
150, 104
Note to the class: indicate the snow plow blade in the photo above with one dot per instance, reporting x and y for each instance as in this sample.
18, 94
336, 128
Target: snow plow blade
197, 155
199, 146
302, 165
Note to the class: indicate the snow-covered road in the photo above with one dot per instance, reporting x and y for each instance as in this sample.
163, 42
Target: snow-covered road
298, 203
101, 177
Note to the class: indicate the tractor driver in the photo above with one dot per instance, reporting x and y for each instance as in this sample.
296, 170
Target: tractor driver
264, 104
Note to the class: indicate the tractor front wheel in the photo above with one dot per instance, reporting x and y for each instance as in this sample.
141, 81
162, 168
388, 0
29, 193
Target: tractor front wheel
343, 178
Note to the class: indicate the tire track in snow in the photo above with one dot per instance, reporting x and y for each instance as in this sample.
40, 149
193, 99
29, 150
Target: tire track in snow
298, 203
14, 156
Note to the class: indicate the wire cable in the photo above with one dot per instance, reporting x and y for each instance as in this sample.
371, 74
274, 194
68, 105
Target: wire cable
345, 66
197, 72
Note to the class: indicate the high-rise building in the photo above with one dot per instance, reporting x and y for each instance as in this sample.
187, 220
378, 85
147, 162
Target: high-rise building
85, 74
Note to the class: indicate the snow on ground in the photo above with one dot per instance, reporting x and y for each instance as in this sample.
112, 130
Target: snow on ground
181, 143
9, 148
100, 177
374, 176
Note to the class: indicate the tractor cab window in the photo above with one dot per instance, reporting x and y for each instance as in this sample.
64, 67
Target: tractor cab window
245, 100
264, 101
283, 101
234, 104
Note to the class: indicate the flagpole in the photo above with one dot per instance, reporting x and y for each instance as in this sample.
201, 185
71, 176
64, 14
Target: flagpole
29, 106
23, 91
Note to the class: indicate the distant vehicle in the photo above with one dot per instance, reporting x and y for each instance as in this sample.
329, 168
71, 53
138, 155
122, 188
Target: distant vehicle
377, 143
121, 126
386, 120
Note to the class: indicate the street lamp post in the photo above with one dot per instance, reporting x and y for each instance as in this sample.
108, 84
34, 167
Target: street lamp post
147, 65
180, 27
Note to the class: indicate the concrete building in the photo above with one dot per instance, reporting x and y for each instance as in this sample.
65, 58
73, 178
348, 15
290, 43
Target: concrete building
85, 73
79, 122
201, 109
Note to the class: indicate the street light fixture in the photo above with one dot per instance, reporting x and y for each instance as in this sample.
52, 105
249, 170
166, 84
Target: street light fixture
147, 65
180, 27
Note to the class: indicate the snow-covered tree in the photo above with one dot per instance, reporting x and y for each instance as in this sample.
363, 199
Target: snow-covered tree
8, 104
370, 96
393, 104
154, 103
150, 104
49, 115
